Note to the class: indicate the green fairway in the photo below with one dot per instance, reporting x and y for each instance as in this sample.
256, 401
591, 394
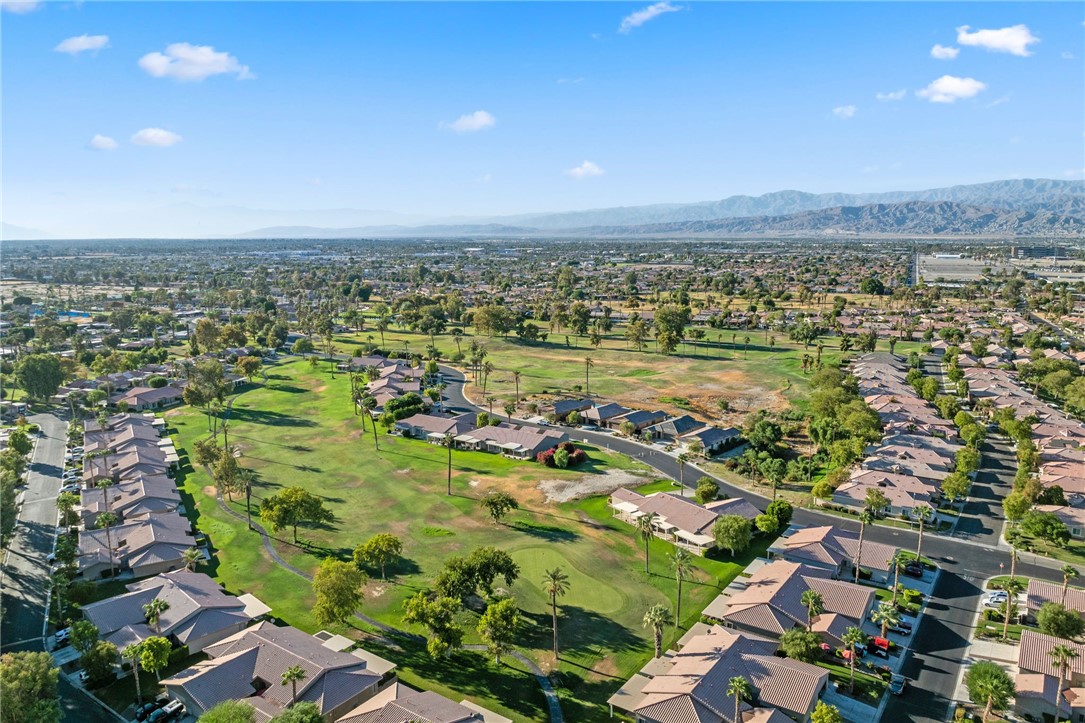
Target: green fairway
299, 429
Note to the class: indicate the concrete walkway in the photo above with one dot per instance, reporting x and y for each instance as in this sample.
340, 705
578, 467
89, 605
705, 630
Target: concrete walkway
852, 710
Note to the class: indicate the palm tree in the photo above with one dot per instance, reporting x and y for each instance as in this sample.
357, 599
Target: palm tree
646, 532
865, 518
897, 562
555, 584
292, 675
588, 364
739, 689
153, 612
191, 558
1013, 588
682, 459
1061, 657
885, 614
814, 604
656, 617
922, 513
745, 348
447, 440
516, 380
1069, 572
132, 652
853, 637
367, 404
106, 520
682, 561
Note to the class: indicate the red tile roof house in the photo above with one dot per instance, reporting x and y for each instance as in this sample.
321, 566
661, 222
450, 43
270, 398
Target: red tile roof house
249, 666
199, 612
1041, 591
690, 685
905, 494
677, 519
833, 550
1072, 517
397, 704
771, 602
1038, 678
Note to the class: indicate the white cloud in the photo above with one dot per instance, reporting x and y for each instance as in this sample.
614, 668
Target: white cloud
20, 7
640, 17
949, 89
892, 95
480, 120
102, 143
845, 111
183, 61
1014, 40
156, 137
998, 101
1066, 55
943, 52
587, 169
80, 43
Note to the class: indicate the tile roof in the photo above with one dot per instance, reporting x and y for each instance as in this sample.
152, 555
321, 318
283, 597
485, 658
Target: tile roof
828, 545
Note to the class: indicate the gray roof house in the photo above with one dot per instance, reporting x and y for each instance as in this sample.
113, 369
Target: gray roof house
673, 428
605, 414
564, 407
147, 546
249, 666
199, 612
131, 499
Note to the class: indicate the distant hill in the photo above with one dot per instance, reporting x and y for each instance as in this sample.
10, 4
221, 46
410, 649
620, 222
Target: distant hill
489, 229
11, 232
1063, 197
914, 218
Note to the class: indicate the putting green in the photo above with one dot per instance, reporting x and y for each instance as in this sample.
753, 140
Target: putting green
584, 590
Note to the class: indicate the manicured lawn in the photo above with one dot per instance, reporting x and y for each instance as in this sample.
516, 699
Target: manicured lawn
300, 430
1072, 552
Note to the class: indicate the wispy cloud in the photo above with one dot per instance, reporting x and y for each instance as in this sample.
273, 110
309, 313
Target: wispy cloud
102, 143
845, 111
892, 95
1014, 40
587, 169
480, 120
949, 89
640, 17
998, 101
186, 62
156, 137
82, 43
943, 52
20, 7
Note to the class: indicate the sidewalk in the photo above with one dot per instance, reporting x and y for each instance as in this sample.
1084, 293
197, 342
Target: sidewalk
852, 710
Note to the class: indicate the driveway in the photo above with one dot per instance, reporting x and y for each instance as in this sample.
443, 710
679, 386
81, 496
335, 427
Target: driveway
24, 581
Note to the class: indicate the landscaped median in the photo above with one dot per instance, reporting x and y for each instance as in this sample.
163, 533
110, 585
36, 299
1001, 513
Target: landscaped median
300, 430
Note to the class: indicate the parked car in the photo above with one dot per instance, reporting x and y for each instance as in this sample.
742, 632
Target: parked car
63, 637
70, 488
173, 709
145, 710
51, 558
913, 569
76, 450
897, 684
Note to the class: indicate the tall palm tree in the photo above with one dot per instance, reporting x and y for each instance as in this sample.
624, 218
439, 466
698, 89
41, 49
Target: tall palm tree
153, 612
898, 563
739, 688
367, 404
682, 459
853, 638
656, 617
682, 561
588, 364
1061, 657
885, 614
555, 584
516, 380
646, 532
106, 520
191, 557
447, 441
865, 518
292, 675
132, 652
814, 604
921, 513
746, 348
1069, 572
1013, 588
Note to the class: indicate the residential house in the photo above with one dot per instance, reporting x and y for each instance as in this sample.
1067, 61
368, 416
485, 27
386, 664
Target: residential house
143, 398
640, 419
680, 520
712, 440
249, 666
605, 415
562, 408
835, 550
434, 428
397, 703
770, 602
145, 546
520, 442
1041, 591
130, 500
669, 430
199, 612
691, 684
1038, 679
1071, 516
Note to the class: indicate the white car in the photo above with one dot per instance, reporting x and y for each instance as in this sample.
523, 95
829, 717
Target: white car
63, 637
70, 488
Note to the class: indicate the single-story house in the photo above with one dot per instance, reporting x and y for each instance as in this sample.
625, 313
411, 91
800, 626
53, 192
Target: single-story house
669, 430
1072, 517
521, 442
640, 419
397, 703
1038, 679
678, 519
713, 440
562, 408
604, 414
130, 499
146, 546
833, 549
142, 398
434, 428
1041, 591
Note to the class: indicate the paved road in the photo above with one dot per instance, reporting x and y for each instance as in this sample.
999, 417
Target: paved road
982, 520
939, 643
25, 578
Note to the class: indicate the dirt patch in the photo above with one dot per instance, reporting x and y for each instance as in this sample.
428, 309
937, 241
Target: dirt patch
375, 590
475, 482
405, 470
321, 388
210, 491
560, 490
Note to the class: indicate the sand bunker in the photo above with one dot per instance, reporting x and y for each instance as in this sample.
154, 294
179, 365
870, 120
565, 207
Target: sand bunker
564, 490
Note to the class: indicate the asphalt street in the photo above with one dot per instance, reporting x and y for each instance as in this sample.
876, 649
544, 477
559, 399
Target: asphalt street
938, 646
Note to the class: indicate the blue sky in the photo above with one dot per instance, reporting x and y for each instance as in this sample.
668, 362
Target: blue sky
444, 109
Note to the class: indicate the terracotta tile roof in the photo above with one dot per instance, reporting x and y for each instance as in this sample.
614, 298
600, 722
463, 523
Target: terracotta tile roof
1032, 654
